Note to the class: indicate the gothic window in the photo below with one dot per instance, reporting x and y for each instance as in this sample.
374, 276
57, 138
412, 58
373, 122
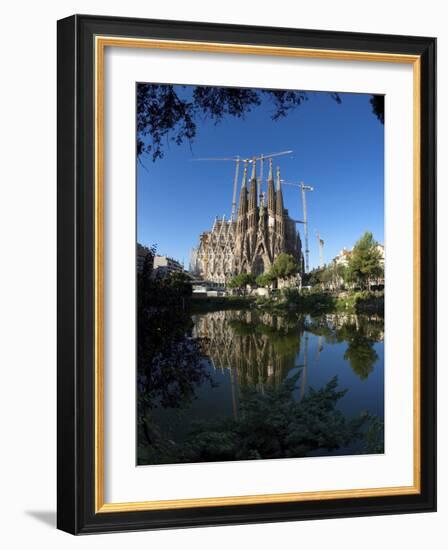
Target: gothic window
258, 266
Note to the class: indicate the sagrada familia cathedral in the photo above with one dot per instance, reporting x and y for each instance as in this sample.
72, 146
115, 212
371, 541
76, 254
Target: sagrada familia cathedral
252, 242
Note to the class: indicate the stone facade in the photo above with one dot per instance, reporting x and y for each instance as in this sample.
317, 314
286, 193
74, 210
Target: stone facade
250, 243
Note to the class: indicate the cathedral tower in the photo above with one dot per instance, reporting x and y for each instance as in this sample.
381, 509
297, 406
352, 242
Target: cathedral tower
251, 243
252, 211
279, 216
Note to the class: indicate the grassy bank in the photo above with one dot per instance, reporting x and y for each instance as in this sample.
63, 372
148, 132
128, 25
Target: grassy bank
323, 302
293, 300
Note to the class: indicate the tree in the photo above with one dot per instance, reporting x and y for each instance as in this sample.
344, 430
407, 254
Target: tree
265, 279
149, 254
170, 364
333, 275
377, 102
241, 281
361, 355
365, 261
284, 266
180, 283
312, 278
325, 276
169, 113
274, 424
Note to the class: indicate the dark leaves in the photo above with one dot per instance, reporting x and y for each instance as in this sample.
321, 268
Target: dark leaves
163, 114
377, 102
284, 101
274, 424
159, 111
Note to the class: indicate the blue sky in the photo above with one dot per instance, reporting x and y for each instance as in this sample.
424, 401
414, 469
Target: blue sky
337, 148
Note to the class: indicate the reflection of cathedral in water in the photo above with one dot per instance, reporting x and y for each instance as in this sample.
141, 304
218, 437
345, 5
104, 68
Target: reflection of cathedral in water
259, 349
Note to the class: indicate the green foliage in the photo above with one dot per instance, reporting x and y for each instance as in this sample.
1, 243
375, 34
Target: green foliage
330, 276
360, 332
219, 303
312, 302
317, 302
262, 301
361, 355
292, 295
148, 263
312, 278
274, 424
284, 266
241, 281
364, 262
364, 266
374, 435
169, 363
179, 283
361, 301
265, 279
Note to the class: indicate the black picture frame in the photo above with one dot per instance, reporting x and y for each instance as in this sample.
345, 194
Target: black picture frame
76, 255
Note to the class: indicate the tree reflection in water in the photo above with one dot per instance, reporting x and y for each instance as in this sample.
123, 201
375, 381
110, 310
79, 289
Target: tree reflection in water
170, 363
274, 414
360, 332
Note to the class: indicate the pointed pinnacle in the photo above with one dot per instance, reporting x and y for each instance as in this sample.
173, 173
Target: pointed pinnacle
278, 179
254, 169
243, 183
271, 176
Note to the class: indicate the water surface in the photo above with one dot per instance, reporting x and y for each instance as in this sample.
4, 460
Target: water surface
251, 349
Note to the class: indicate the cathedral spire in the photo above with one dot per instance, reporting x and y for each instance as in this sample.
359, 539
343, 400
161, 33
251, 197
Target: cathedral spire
254, 169
253, 187
242, 207
279, 181
243, 183
271, 191
279, 194
271, 175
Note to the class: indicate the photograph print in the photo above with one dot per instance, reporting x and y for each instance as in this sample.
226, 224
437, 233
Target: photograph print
260, 266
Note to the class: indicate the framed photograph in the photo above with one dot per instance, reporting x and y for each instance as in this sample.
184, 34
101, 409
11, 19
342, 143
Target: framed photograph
246, 274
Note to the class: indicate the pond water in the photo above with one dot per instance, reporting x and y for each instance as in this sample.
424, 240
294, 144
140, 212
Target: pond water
256, 350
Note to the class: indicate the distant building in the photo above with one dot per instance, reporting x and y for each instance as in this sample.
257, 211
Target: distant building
206, 288
164, 266
380, 248
344, 255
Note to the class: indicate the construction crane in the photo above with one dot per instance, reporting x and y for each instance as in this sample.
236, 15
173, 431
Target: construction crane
237, 160
320, 244
303, 189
